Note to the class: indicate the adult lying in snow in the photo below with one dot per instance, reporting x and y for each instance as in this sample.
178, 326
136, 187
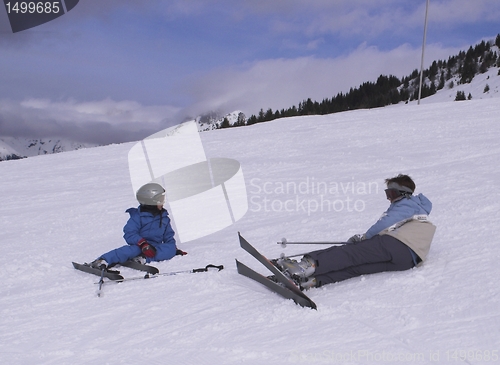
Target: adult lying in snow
398, 241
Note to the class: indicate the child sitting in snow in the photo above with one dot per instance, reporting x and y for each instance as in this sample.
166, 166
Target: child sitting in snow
399, 240
148, 232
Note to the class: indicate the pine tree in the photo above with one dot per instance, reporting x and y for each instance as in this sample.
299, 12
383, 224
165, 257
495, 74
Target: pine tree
469, 67
241, 119
252, 120
460, 96
442, 81
269, 115
225, 123
261, 116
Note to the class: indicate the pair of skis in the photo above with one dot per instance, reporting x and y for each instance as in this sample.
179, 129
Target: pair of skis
151, 272
114, 275
286, 287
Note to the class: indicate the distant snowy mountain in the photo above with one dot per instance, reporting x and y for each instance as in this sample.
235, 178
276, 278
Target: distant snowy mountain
213, 120
7, 152
12, 148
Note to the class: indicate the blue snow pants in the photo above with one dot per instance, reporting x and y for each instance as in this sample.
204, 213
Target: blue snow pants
164, 251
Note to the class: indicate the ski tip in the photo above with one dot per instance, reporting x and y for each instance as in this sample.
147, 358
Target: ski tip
78, 266
243, 241
238, 265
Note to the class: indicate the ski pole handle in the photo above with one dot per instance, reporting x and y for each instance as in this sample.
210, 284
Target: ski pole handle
210, 266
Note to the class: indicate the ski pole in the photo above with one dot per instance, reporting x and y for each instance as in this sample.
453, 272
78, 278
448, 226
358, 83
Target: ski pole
285, 242
101, 281
152, 276
283, 256
203, 269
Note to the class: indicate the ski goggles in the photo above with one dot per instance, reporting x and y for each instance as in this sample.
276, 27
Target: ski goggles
393, 194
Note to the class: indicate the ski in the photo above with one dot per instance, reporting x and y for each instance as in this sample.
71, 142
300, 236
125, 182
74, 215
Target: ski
295, 293
112, 275
272, 285
141, 267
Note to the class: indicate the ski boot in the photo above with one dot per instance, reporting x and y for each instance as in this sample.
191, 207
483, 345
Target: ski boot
308, 283
99, 264
139, 260
302, 284
296, 270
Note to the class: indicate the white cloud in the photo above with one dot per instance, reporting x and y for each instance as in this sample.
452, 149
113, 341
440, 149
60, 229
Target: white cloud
84, 121
369, 19
108, 111
456, 12
281, 83
189, 53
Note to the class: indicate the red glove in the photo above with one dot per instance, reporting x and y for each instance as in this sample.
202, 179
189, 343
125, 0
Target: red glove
180, 252
147, 249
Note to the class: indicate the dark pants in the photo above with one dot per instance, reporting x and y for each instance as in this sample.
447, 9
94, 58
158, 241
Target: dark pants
377, 254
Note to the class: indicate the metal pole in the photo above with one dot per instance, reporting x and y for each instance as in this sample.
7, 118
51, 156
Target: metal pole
423, 51
285, 242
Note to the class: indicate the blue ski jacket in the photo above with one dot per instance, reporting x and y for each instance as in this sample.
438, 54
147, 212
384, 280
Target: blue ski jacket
155, 229
154, 226
406, 220
399, 211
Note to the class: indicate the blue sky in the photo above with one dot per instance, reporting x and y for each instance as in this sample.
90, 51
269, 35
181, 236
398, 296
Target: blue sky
119, 70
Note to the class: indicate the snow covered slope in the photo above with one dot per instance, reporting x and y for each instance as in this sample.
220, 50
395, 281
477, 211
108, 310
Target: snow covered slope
309, 178
482, 86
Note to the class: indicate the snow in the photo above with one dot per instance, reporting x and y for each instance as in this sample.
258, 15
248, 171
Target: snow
27, 147
6, 150
476, 88
310, 178
215, 121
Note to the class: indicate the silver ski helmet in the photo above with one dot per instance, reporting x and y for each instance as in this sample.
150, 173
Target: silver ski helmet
151, 194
